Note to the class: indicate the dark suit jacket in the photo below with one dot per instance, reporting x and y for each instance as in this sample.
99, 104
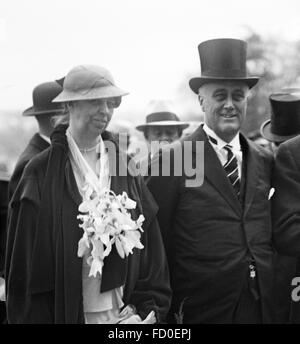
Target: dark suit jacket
286, 208
35, 146
3, 218
210, 236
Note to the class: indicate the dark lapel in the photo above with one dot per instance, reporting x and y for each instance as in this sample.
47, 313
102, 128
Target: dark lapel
214, 172
253, 164
38, 142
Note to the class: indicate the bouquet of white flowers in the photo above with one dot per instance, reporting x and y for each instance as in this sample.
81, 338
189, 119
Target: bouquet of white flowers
107, 221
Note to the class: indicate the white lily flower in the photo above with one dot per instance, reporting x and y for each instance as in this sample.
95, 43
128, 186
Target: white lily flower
127, 244
83, 245
134, 237
107, 221
96, 266
119, 247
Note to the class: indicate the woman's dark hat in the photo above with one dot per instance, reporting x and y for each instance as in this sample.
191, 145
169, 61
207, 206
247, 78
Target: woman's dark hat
222, 59
42, 97
284, 123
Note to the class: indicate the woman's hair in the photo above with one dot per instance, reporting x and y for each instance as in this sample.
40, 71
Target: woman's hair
62, 119
65, 117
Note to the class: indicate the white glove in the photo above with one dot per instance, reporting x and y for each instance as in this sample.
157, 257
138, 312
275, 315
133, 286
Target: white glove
136, 319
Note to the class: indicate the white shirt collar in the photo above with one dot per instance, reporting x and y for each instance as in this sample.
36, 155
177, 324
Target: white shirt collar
234, 143
46, 138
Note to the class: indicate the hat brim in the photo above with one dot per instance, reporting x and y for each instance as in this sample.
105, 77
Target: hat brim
265, 131
4, 176
196, 83
182, 125
32, 112
93, 93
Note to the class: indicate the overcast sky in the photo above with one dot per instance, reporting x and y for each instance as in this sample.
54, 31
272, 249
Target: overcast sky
149, 46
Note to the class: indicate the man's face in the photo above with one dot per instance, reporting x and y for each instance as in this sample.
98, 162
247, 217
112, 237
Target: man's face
224, 104
163, 133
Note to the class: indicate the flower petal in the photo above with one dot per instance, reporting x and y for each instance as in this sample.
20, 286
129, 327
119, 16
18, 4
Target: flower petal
83, 246
119, 248
96, 267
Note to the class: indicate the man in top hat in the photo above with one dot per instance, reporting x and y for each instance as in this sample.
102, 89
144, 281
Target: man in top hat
43, 110
218, 234
284, 123
283, 129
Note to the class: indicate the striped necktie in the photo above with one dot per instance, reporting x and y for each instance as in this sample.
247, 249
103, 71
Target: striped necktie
231, 169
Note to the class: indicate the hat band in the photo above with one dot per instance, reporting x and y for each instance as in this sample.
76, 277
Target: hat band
161, 116
85, 88
48, 107
224, 73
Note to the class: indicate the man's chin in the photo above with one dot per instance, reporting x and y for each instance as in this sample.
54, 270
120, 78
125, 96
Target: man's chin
229, 131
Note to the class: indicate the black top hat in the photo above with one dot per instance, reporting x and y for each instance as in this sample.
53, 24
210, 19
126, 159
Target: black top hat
42, 97
222, 59
284, 123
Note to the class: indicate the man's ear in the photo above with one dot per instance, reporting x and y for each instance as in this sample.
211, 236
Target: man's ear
201, 102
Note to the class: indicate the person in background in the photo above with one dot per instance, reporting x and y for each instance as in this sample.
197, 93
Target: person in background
257, 137
217, 233
4, 179
284, 124
84, 244
162, 123
43, 110
162, 127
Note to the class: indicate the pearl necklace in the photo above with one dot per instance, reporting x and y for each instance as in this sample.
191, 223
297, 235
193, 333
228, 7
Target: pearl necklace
86, 150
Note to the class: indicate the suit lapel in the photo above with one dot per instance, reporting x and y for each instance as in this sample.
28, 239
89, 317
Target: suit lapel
39, 143
215, 174
252, 167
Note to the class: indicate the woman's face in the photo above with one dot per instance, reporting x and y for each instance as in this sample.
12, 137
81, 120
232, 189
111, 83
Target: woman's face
91, 116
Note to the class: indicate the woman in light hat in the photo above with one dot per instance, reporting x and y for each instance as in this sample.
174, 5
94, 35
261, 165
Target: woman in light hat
84, 245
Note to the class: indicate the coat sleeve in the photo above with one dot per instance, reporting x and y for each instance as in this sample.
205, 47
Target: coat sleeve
286, 203
165, 192
22, 305
152, 289
3, 221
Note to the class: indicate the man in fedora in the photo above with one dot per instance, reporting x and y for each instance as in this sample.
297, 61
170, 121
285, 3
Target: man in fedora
162, 128
43, 110
283, 130
162, 124
218, 235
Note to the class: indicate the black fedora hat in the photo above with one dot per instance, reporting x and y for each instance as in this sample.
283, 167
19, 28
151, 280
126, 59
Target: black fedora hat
222, 59
42, 97
284, 123
161, 113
